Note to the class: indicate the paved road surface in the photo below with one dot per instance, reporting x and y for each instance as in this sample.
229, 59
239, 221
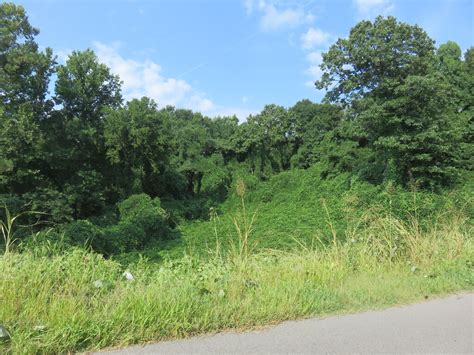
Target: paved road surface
437, 326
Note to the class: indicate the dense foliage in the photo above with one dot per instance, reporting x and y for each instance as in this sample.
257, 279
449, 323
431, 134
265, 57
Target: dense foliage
104, 171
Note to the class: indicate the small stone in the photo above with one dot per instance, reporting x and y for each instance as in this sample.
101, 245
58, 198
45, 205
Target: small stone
98, 284
413, 269
39, 328
4, 334
128, 276
221, 293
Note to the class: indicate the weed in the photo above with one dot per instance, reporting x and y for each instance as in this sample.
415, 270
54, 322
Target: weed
59, 293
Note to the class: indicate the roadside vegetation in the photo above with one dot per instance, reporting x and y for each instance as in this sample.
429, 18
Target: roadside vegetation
126, 222
392, 248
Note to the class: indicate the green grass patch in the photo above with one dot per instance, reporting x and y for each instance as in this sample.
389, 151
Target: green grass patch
77, 300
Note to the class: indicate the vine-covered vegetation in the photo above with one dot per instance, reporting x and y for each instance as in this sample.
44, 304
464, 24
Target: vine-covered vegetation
397, 109
125, 221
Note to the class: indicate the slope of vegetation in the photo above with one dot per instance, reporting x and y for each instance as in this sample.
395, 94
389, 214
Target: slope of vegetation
299, 206
62, 300
124, 222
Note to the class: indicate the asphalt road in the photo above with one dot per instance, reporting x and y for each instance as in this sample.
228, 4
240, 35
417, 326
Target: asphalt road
437, 326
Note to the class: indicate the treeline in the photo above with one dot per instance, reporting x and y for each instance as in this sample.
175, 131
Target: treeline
397, 109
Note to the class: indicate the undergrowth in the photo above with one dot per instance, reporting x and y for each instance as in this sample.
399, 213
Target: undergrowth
55, 301
297, 206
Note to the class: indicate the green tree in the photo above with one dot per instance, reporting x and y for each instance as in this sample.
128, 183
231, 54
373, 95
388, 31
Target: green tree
401, 103
24, 77
85, 87
312, 123
138, 141
467, 111
192, 146
376, 56
24, 70
85, 90
267, 140
414, 130
460, 74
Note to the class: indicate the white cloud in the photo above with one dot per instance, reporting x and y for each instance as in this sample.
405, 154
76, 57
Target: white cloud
314, 71
245, 99
372, 8
273, 17
63, 54
201, 104
145, 78
314, 37
249, 6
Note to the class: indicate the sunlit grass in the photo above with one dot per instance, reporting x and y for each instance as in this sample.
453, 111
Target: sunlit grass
54, 304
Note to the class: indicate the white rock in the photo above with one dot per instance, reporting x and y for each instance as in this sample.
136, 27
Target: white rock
98, 284
4, 335
128, 276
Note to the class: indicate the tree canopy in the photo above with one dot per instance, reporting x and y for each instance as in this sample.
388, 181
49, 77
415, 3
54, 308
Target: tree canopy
397, 108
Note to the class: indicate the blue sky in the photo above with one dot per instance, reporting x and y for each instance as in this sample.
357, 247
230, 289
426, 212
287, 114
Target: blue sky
226, 57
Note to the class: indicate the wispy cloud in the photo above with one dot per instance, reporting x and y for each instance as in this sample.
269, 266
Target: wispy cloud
276, 16
145, 78
371, 8
63, 54
314, 37
314, 71
314, 41
250, 5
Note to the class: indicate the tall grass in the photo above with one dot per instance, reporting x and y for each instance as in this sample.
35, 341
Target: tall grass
77, 300
244, 225
293, 206
10, 226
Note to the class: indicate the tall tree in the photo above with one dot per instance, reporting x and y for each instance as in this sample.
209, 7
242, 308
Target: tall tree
24, 77
24, 70
412, 132
85, 87
376, 56
312, 123
138, 141
85, 90
267, 140
400, 102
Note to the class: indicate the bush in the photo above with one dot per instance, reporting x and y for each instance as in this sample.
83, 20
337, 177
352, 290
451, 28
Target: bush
124, 237
84, 233
141, 220
146, 212
53, 203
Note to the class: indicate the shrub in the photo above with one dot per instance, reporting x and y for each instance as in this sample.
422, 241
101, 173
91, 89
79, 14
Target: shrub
141, 219
84, 233
146, 212
52, 203
124, 237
